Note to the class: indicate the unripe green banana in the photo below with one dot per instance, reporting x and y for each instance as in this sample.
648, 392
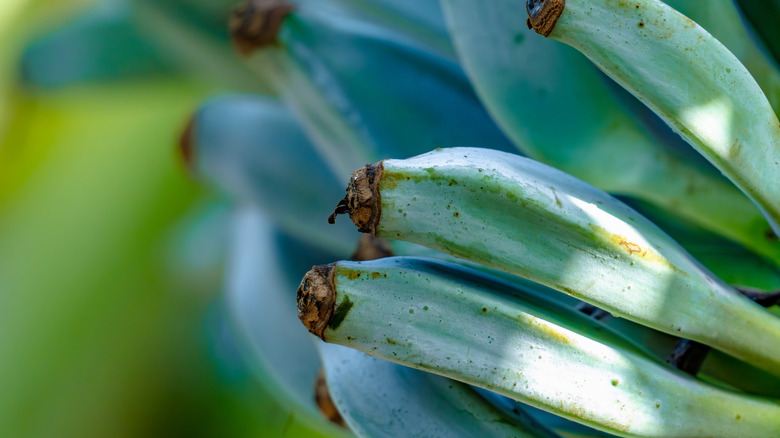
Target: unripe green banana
558, 109
462, 324
722, 19
202, 51
378, 398
528, 219
420, 21
251, 148
731, 262
354, 85
685, 76
283, 355
718, 368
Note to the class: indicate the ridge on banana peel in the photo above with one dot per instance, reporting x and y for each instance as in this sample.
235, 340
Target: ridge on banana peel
560, 110
413, 311
252, 148
523, 217
684, 75
327, 67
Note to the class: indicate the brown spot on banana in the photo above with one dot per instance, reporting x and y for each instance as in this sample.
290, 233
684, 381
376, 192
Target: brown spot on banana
543, 14
317, 298
362, 202
186, 145
371, 248
256, 23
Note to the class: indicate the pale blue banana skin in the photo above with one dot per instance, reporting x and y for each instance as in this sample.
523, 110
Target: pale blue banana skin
523, 217
464, 325
691, 81
252, 148
365, 92
420, 21
731, 262
262, 309
378, 398
557, 108
197, 42
721, 18
717, 367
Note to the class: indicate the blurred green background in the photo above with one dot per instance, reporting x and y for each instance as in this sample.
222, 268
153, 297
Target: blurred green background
111, 320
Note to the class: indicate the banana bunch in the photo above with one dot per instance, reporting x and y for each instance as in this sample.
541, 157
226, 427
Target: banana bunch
585, 215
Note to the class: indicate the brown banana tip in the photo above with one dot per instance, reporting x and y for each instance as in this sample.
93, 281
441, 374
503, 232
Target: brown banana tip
543, 14
256, 23
317, 298
186, 146
371, 248
362, 201
325, 401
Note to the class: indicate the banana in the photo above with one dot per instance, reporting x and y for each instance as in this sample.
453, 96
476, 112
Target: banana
520, 216
721, 18
420, 21
718, 368
284, 356
458, 323
378, 398
686, 77
731, 262
559, 110
252, 148
364, 92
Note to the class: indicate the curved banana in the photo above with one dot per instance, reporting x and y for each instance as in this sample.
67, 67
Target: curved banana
528, 219
361, 90
462, 324
685, 76
560, 110
721, 18
252, 148
378, 398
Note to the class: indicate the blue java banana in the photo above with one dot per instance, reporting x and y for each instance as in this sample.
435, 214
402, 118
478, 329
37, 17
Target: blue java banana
462, 324
422, 22
378, 398
522, 217
721, 18
259, 303
560, 110
192, 36
684, 75
250, 147
363, 91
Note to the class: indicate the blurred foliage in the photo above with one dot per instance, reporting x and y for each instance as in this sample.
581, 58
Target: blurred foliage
111, 321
